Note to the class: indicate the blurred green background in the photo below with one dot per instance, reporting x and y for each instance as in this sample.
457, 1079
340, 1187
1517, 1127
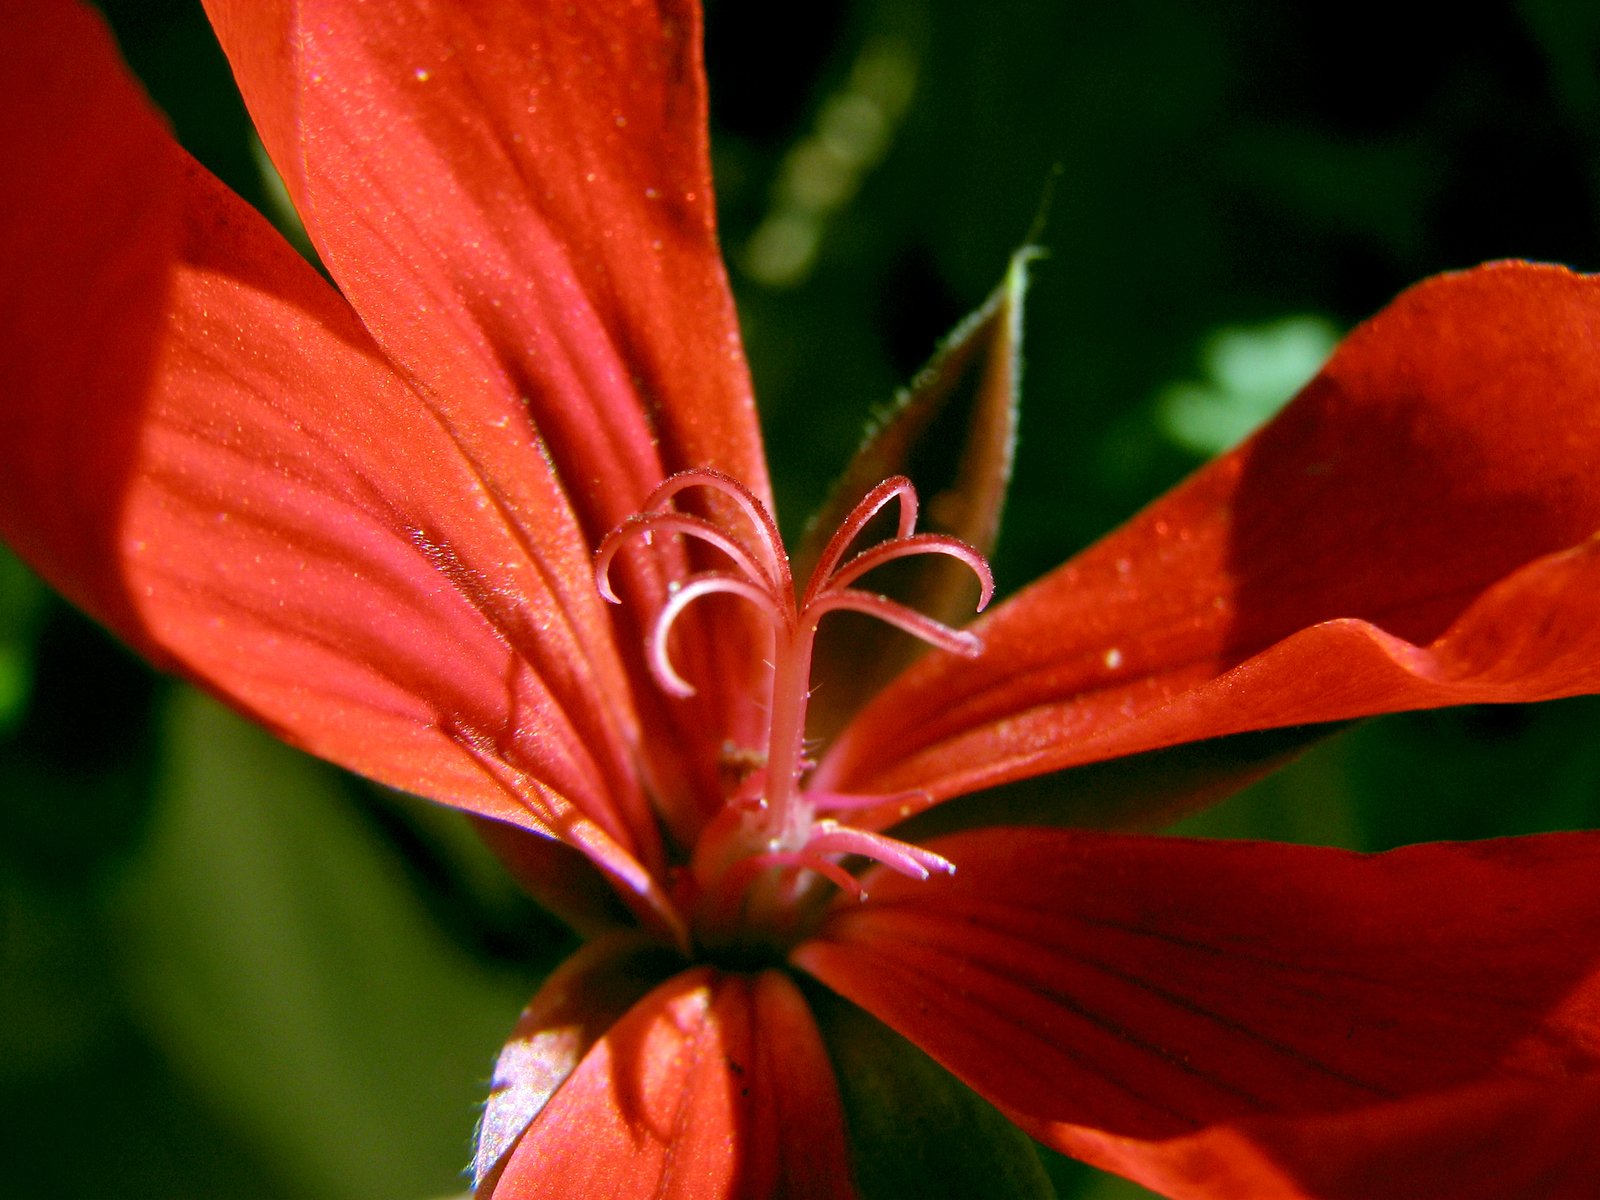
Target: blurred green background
229, 971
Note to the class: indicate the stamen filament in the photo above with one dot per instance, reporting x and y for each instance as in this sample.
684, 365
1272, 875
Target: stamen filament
870, 506
918, 625
769, 822
921, 543
903, 857
810, 860
708, 583
646, 524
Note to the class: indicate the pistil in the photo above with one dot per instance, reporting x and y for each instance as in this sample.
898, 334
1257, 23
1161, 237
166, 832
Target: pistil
768, 844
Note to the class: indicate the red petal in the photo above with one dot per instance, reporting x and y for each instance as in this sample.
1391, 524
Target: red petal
272, 510
1116, 992
306, 532
87, 255
1483, 1143
713, 1085
517, 199
1426, 491
574, 1007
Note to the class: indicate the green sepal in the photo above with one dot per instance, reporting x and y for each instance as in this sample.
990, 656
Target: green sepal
953, 432
915, 1129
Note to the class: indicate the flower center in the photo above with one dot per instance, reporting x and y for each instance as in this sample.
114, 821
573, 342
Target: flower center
775, 839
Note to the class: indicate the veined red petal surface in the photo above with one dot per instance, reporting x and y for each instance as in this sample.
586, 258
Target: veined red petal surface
87, 275
712, 1086
1490, 1142
1116, 993
1432, 493
517, 200
516, 197
311, 535
283, 517
574, 1007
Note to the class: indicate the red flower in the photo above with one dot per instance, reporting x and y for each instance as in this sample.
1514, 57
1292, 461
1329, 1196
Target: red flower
367, 518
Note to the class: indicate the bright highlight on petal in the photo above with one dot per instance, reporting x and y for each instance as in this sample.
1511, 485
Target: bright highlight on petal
711, 1086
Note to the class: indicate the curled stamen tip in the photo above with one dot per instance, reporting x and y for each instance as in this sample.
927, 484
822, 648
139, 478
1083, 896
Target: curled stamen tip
985, 581
673, 684
662, 670
606, 555
968, 645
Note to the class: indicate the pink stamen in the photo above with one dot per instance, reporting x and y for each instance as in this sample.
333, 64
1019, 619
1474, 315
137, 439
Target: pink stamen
870, 506
935, 633
708, 583
914, 861
647, 524
810, 860
770, 822
921, 543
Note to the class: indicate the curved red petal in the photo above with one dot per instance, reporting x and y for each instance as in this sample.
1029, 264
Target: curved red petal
1447, 446
87, 258
1531, 636
796, 1146
1512, 1138
268, 507
310, 535
582, 999
712, 1086
1119, 991
516, 197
